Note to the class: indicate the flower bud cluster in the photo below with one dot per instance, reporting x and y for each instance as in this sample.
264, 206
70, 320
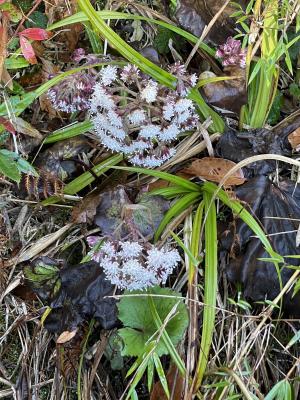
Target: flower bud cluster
134, 115
134, 266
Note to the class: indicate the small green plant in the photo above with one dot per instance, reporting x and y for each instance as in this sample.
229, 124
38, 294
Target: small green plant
263, 70
12, 165
155, 322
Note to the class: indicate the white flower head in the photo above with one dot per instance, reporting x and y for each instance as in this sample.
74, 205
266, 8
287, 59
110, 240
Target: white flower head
137, 117
101, 99
168, 111
130, 250
149, 93
108, 74
150, 131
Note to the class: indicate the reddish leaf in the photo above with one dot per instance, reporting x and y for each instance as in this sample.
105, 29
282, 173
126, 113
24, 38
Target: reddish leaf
35, 34
27, 50
7, 125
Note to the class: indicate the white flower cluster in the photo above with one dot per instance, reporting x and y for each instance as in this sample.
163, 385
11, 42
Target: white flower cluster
133, 266
134, 115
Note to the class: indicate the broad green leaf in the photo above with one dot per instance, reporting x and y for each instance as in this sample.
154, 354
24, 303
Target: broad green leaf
9, 167
139, 323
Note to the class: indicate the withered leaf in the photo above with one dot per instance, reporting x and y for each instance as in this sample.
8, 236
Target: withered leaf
294, 139
66, 336
214, 169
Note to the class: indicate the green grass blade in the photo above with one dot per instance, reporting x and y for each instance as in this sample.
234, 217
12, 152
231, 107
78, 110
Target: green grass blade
113, 15
85, 179
180, 205
78, 128
177, 180
210, 288
161, 374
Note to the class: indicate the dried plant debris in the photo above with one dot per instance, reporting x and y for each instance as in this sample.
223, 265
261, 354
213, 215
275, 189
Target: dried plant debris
75, 293
194, 15
118, 216
278, 210
237, 146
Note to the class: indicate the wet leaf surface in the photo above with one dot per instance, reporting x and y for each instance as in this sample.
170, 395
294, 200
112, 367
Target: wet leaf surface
194, 15
117, 215
60, 159
236, 146
229, 94
75, 294
276, 207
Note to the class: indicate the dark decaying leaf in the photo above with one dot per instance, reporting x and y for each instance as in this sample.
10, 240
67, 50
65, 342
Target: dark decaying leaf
118, 216
278, 209
194, 15
237, 146
75, 293
230, 94
60, 159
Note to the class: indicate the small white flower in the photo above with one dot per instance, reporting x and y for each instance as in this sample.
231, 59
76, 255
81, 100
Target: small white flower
108, 74
101, 99
168, 111
183, 117
170, 133
129, 73
115, 119
149, 93
150, 131
193, 80
130, 250
111, 143
183, 105
108, 249
137, 117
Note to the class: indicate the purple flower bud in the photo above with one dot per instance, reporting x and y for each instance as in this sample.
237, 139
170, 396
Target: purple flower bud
231, 53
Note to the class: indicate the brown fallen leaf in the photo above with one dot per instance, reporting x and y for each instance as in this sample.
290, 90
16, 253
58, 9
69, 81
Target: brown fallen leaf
214, 169
26, 128
66, 336
294, 139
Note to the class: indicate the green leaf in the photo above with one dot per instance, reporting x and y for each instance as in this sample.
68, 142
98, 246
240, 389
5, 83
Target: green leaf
161, 374
295, 339
78, 128
180, 205
140, 326
210, 287
15, 63
281, 391
15, 14
9, 167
